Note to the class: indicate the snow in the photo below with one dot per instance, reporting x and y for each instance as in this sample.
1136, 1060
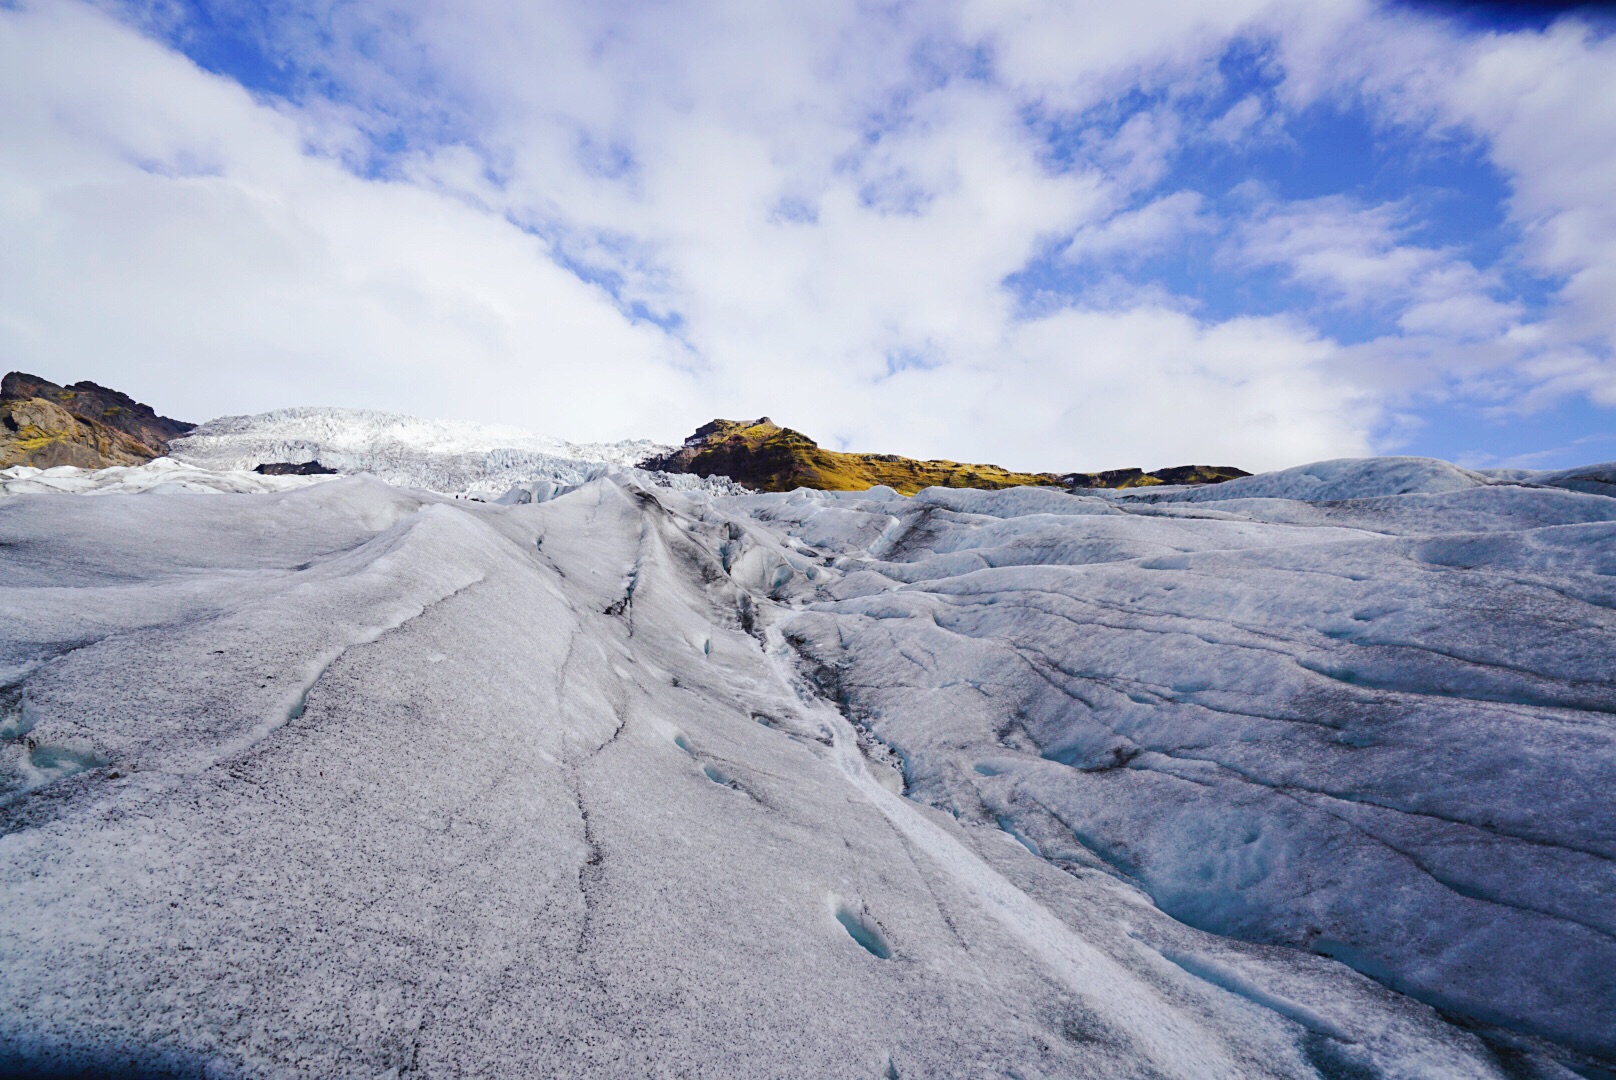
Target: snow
163, 476
623, 780
1341, 478
440, 455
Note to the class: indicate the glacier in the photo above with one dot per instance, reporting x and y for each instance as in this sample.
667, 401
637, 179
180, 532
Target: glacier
337, 777
161, 476
448, 456
1367, 478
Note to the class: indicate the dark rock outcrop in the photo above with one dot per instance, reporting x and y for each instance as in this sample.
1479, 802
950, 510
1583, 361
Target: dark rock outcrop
288, 468
99, 404
1130, 478
40, 433
762, 455
86, 425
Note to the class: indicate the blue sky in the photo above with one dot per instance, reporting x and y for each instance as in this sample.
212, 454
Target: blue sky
1051, 235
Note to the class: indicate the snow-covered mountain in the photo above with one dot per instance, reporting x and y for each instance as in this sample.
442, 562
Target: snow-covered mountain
447, 456
355, 780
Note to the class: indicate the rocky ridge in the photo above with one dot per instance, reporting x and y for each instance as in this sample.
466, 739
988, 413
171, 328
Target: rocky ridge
764, 456
1175, 476
44, 425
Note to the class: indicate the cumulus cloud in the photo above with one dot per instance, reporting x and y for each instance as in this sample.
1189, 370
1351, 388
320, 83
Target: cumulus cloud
1542, 106
1546, 103
600, 222
1354, 253
168, 234
1362, 256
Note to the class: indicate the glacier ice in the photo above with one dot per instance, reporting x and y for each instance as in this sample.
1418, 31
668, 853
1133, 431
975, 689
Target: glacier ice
1344, 479
1596, 479
343, 778
484, 461
356, 436
163, 476
441, 455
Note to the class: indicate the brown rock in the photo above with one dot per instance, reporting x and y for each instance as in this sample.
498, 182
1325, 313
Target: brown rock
767, 457
1129, 478
101, 406
763, 455
43, 434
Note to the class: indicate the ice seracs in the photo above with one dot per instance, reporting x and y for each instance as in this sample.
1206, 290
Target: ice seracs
439, 455
627, 780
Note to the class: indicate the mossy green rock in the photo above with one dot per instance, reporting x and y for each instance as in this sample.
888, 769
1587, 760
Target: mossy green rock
767, 457
84, 425
43, 434
762, 455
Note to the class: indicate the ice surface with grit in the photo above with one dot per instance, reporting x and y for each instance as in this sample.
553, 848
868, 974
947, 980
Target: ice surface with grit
348, 779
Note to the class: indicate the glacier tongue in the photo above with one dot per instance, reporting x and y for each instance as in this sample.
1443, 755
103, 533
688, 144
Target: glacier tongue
352, 780
447, 456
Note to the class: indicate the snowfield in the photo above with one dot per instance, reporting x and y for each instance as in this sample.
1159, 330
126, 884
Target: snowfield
1308, 780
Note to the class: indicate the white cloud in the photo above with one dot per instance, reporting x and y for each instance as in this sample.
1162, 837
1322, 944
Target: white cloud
824, 201
1542, 106
1352, 253
167, 235
1074, 55
1361, 257
1144, 231
1547, 105
1150, 385
1240, 120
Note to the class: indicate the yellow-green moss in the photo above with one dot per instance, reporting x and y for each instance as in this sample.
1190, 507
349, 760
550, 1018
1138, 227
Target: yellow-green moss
771, 458
32, 438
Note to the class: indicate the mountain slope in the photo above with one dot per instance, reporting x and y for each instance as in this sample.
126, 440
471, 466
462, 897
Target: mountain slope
766, 457
351, 779
1176, 475
761, 455
84, 425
